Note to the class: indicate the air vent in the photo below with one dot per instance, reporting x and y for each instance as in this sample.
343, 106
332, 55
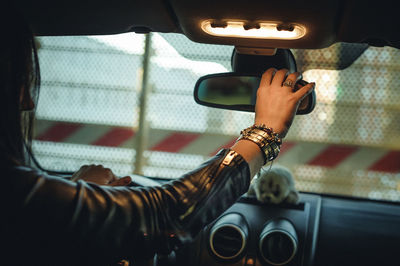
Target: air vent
228, 237
278, 242
227, 242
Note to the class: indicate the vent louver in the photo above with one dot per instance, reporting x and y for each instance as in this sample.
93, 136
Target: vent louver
227, 242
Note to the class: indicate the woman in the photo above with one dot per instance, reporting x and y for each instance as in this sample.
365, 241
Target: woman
49, 220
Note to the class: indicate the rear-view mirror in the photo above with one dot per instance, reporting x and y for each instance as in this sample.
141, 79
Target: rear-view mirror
234, 91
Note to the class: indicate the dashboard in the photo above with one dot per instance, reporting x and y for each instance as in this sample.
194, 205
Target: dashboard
319, 230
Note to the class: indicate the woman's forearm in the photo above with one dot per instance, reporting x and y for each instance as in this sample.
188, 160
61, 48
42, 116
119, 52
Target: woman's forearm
251, 153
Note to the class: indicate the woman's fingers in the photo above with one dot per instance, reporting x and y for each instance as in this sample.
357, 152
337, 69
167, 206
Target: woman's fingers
291, 80
267, 77
123, 181
279, 77
304, 91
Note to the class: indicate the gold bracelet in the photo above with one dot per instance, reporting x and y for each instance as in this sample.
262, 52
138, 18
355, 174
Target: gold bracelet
265, 138
267, 130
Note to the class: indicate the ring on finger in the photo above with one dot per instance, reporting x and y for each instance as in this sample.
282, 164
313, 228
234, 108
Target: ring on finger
288, 83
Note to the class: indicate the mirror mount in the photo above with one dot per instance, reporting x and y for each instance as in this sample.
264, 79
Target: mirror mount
255, 50
249, 64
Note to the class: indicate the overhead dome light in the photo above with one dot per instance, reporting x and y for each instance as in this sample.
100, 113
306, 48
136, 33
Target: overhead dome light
262, 30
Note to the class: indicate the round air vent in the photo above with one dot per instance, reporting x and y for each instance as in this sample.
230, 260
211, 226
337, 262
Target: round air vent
278, 242
228, 237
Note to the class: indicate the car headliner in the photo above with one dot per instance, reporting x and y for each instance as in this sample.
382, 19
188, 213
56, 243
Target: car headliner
327, 21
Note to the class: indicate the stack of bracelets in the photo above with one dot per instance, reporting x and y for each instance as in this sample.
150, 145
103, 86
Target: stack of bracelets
266, 139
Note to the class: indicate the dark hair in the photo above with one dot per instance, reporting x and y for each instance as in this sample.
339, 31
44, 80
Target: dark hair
19, 68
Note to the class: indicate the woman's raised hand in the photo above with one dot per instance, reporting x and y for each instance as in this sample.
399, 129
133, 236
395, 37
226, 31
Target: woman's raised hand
277, 102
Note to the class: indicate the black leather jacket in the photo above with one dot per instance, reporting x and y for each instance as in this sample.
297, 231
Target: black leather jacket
51, 221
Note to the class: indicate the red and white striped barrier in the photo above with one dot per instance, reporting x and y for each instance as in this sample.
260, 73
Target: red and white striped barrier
332, 156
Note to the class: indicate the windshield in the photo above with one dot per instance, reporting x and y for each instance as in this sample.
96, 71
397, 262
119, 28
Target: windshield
126, 101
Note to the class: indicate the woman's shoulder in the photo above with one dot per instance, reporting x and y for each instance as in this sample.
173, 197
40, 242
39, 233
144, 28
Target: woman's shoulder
15, 168
19, 177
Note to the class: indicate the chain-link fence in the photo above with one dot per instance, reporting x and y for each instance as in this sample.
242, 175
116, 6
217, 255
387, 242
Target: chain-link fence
92, 94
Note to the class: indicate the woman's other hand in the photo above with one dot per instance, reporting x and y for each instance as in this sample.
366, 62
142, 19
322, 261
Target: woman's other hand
99, 175
277, 103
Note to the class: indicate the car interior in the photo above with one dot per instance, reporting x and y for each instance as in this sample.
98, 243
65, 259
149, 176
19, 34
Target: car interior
153, 88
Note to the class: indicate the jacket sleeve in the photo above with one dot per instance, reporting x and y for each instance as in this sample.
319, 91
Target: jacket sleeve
84, 221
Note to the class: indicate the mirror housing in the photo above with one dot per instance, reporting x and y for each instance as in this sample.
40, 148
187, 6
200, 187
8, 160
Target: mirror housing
238, 92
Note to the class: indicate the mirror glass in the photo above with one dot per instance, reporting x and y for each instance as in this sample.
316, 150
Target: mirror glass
229, 90
238, 92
